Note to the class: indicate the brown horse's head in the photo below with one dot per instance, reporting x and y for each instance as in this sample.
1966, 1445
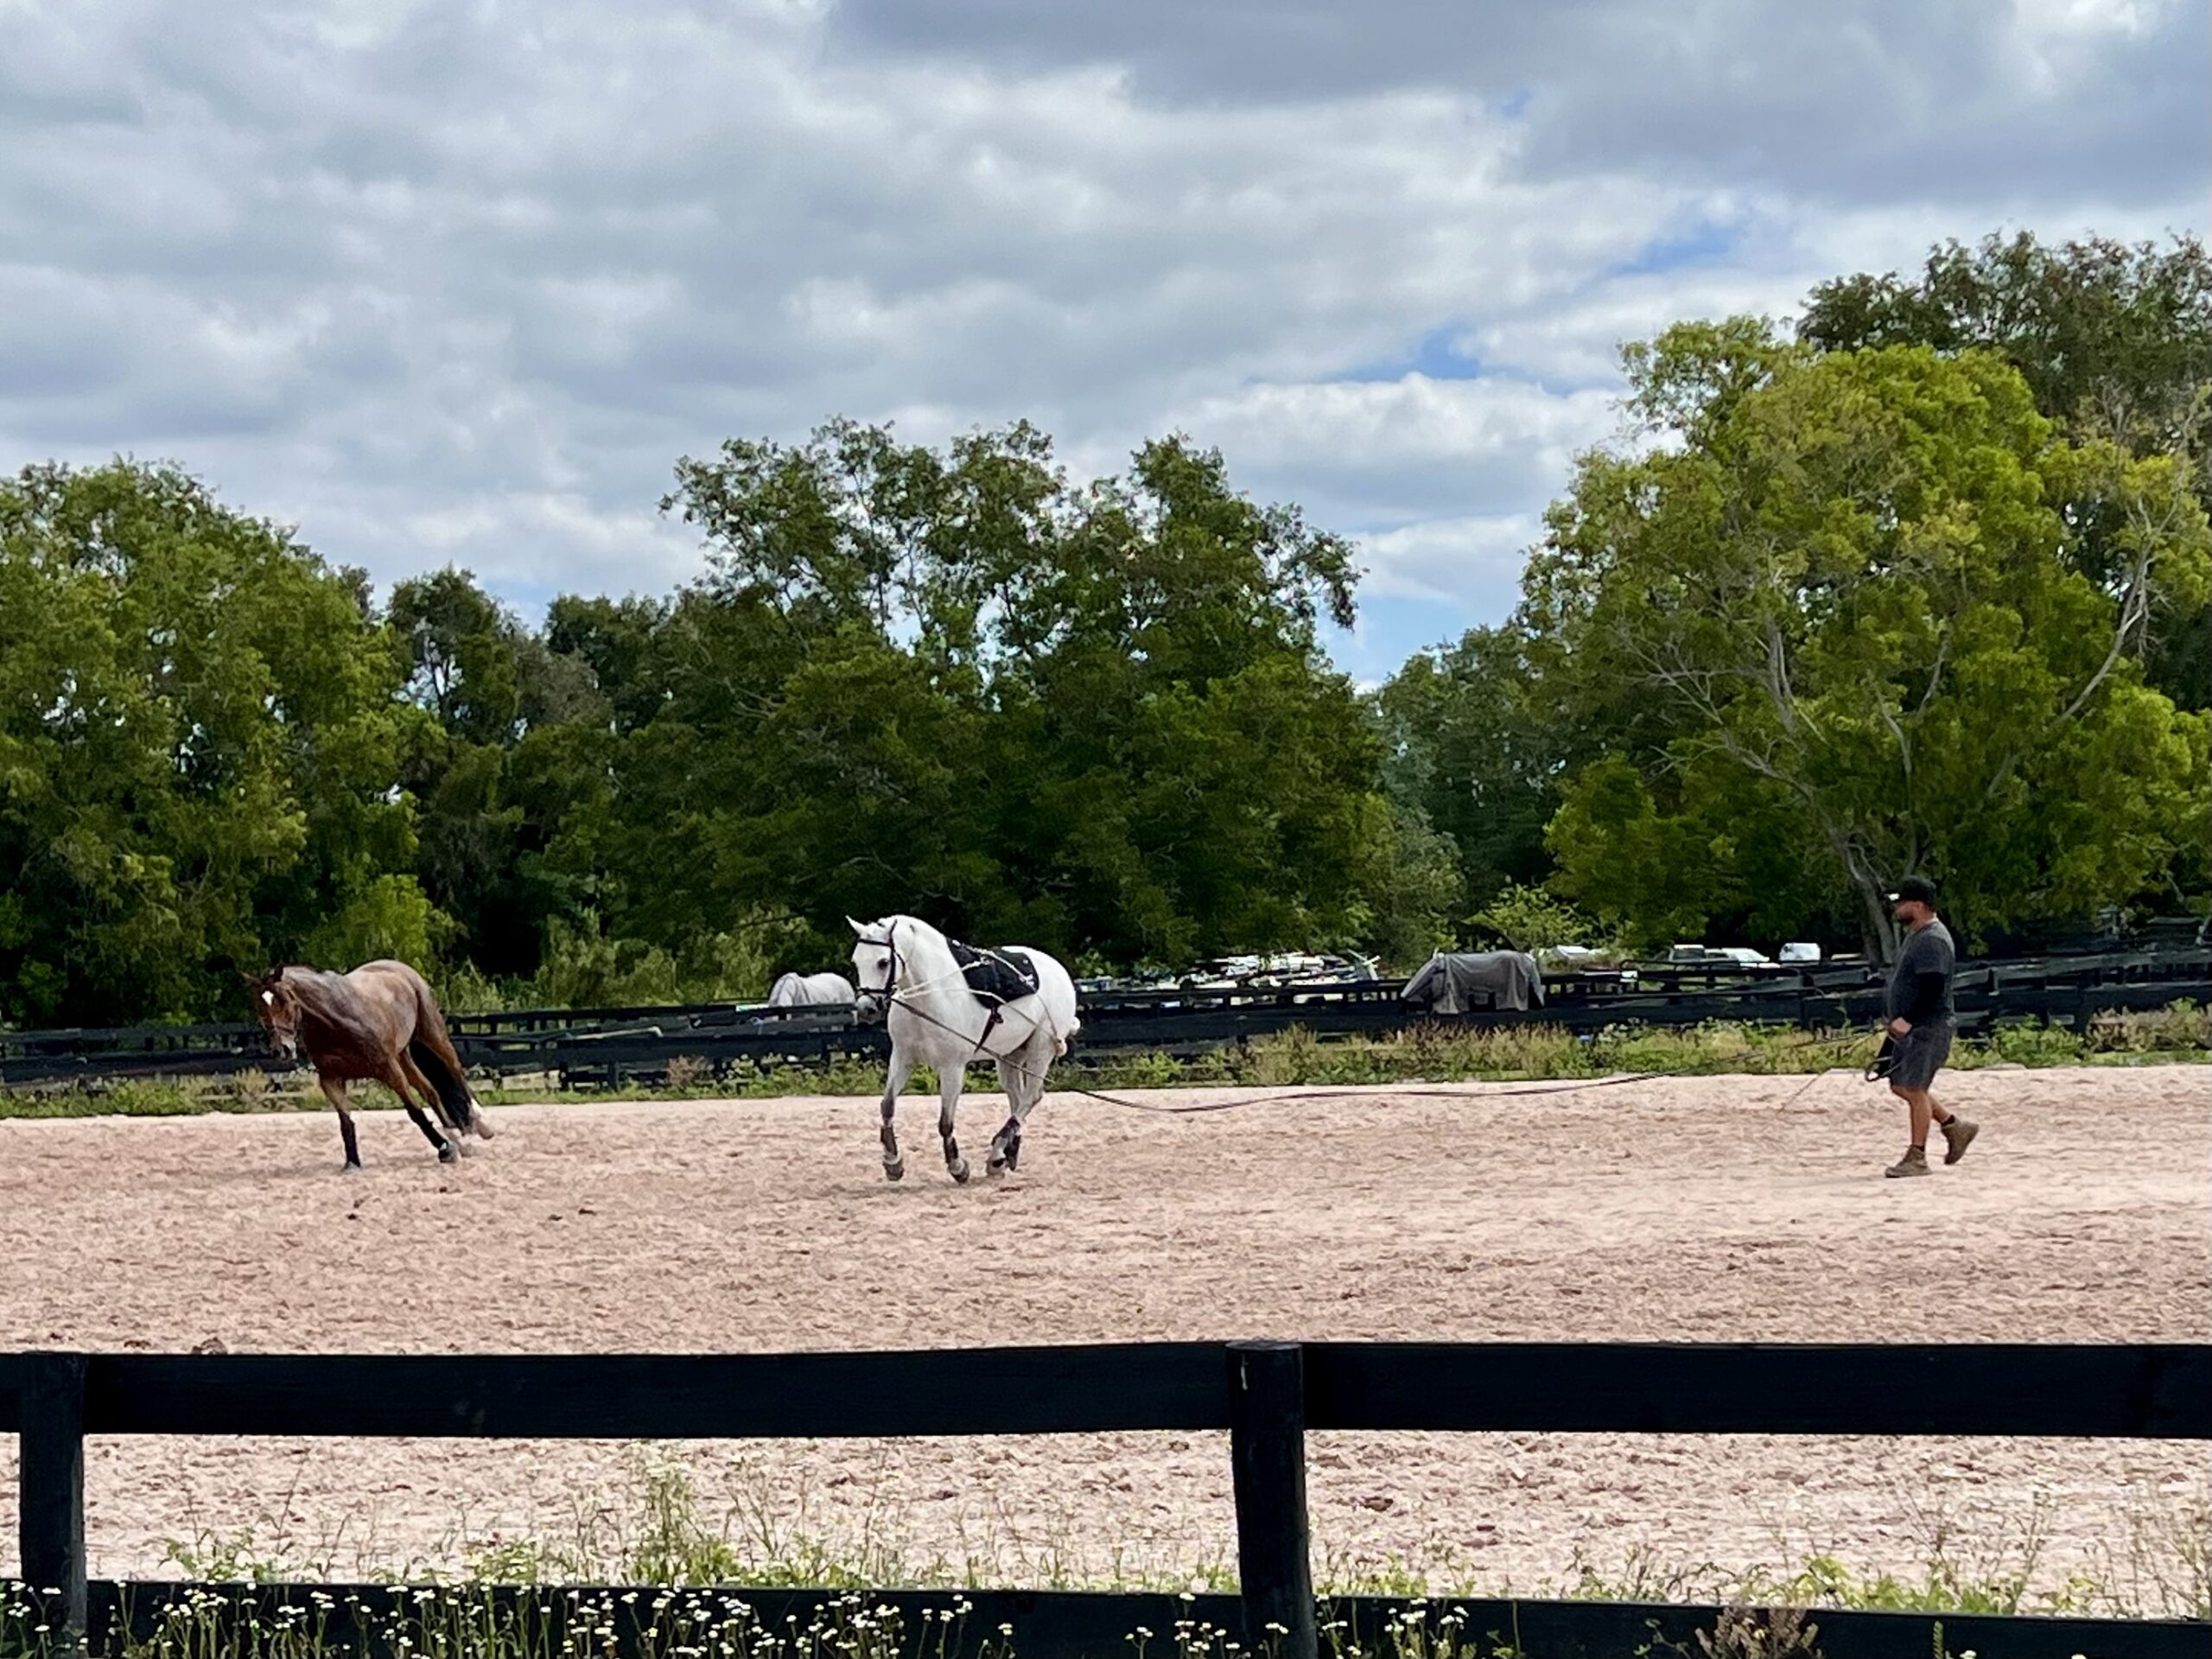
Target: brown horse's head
277, 1007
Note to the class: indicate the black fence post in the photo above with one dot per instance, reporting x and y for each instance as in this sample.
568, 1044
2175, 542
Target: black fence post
50, 1477
1267, 1455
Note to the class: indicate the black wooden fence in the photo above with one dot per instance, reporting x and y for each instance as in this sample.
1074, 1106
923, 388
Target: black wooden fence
606, 1045
1266, 1394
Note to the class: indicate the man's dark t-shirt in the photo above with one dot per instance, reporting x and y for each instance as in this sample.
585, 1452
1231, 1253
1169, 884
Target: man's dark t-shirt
1920, 984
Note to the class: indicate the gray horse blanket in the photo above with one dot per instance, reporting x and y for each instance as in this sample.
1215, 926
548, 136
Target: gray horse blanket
1455, 982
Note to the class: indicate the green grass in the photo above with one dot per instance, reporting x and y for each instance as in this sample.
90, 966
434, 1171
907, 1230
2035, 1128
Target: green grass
694, 1570
654, 1528
1295, 1059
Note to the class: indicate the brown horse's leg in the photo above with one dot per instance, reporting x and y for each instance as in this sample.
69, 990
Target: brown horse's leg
424, 1089
434, 1036
447, 1153
334, 1091
433, 1053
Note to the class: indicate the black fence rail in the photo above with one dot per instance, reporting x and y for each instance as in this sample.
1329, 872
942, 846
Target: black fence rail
1266, 1394
608, 1045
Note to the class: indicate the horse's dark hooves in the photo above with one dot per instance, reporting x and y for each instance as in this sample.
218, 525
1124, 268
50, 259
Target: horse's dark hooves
448, 1153
895, 1171
960, 1171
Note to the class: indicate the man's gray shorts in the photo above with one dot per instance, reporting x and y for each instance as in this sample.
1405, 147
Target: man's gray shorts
1921, 1053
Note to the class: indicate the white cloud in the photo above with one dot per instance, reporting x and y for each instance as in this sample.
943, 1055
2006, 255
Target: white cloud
1472, 564
458, 281
1405, 448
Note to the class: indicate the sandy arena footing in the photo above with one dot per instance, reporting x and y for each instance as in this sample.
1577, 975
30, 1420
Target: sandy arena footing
1715, 1209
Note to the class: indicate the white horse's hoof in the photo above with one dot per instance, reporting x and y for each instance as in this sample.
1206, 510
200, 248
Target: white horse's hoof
995, 1169
461, 1145
960, 1171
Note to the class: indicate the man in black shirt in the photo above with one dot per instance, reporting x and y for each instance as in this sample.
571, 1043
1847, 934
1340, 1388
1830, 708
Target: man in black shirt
1922, 1022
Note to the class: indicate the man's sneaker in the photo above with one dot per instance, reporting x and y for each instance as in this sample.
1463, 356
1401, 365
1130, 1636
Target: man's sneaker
1915, 1162
1958, 1135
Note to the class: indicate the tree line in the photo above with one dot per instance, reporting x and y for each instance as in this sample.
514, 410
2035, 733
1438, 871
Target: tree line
1917, 583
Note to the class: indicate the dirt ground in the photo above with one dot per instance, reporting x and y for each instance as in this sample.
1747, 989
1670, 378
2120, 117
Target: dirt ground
1720, 1209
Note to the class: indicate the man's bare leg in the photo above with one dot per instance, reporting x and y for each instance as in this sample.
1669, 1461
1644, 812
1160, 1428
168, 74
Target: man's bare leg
1914, 1161
1920, 1111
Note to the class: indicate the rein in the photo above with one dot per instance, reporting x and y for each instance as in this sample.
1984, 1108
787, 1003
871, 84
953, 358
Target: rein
890, 994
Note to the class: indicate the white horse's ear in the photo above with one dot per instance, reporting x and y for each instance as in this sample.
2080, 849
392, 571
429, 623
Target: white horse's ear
860, 931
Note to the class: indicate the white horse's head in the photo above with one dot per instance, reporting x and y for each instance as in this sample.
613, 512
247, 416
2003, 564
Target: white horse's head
875, 966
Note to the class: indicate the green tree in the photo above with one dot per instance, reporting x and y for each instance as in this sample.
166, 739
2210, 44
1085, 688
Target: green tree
952, 679
1184, 772
621, 645
1413, 892
1863, 615
2113, 341
1471, 748
493, 690
198, 740
463, 643
1530, 918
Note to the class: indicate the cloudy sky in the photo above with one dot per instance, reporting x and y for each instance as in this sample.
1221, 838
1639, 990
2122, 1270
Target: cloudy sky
458, 280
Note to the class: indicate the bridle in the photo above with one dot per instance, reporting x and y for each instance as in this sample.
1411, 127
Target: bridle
280, 1019
888, 993
883, 996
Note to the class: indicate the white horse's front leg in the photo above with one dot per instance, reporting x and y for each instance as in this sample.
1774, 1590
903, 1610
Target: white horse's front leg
949, 1100
894, 1084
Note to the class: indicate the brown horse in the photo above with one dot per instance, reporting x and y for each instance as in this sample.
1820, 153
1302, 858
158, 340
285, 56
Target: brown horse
378, 1023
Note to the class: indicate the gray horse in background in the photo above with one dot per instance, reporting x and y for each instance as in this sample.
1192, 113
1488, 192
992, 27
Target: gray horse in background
811, 991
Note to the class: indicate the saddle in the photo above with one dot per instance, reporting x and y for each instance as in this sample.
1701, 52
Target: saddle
995, 977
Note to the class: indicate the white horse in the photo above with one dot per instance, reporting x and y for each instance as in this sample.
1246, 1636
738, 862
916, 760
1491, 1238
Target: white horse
811, 991
910, 979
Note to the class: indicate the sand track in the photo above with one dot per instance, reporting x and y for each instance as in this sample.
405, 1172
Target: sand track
1697, 1209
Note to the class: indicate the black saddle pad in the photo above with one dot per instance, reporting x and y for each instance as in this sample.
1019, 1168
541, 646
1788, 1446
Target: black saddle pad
995, 976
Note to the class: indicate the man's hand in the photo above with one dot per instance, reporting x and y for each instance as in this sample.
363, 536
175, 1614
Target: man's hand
1900, 1028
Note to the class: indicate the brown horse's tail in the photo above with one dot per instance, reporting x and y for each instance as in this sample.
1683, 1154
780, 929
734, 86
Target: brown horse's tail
432, 1050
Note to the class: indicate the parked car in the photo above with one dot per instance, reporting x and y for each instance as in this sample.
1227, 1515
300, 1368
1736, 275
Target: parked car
1693, 955
1800, 952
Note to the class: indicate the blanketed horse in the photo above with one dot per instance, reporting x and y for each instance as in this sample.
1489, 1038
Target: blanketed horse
949, 1007
811, 991
379, 1024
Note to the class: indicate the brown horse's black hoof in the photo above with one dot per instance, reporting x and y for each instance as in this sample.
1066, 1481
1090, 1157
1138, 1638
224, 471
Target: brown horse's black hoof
448, 1153
895, 1171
